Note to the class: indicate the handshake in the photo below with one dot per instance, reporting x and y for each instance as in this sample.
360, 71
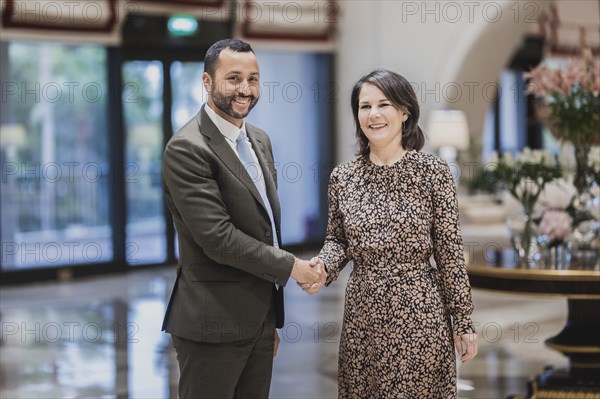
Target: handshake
309, 275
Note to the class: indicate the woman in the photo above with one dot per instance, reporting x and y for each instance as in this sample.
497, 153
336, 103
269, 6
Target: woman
389, 211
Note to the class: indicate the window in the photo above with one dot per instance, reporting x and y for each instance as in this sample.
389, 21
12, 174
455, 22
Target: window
55, 171
143, 105
505, 128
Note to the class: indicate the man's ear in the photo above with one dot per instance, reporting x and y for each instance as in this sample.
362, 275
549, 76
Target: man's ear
207, 79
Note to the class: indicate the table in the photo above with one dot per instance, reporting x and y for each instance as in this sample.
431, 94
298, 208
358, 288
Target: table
579, 339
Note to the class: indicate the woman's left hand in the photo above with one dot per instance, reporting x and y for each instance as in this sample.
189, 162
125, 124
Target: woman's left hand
466, 345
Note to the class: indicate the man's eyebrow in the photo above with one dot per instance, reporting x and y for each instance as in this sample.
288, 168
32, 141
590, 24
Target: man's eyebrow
235, 72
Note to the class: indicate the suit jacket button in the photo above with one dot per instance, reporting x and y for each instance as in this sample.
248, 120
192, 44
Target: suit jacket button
268, 234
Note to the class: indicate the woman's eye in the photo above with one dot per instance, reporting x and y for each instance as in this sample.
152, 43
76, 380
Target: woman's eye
364, 107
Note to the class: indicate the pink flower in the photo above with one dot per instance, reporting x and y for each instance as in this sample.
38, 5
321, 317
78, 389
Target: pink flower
574, 73
556, 224
569, 97
595, 84
583, 72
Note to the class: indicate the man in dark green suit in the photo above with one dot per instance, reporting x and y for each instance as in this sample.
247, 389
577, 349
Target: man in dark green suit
220, 185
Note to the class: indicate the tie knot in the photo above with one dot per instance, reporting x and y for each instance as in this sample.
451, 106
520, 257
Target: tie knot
241, 137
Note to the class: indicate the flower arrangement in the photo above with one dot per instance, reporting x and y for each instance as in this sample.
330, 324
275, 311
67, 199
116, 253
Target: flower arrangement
526, 175
525, 178
571, 96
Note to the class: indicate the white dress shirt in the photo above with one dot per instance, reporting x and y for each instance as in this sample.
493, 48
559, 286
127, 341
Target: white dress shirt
231, 132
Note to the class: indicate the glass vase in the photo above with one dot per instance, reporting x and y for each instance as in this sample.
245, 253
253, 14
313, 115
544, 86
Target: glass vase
554, 254
586, 231
523, 238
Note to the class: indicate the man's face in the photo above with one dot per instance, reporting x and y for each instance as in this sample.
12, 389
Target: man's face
235, 88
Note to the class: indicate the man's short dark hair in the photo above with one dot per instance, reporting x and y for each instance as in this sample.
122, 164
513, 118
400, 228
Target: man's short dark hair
211, 60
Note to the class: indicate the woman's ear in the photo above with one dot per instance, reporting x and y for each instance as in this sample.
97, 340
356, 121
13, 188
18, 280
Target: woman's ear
405, 115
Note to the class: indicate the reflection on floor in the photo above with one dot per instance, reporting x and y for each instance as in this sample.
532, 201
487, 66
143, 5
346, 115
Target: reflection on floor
101, 338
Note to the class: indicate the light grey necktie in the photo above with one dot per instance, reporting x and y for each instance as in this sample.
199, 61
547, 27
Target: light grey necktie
245, 153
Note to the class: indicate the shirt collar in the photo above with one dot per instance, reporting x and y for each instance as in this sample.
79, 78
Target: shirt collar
227, 129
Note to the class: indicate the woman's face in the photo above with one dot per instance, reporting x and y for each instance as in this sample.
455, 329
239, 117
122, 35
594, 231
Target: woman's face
379, 119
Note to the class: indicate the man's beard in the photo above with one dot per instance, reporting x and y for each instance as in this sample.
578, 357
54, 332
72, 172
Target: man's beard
224, 103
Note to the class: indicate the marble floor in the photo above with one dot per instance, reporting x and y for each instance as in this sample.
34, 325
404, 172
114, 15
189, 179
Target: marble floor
100, 338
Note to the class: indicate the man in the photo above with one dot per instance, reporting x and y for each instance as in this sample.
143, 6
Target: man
219, 183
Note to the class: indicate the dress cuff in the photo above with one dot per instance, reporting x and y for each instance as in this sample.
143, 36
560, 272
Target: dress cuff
462, 325
332, 262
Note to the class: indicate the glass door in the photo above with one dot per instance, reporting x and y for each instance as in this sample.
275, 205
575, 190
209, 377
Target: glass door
145, 84
143, 114
188, 96
54, 191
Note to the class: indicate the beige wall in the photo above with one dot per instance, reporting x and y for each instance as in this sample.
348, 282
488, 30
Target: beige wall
452, 50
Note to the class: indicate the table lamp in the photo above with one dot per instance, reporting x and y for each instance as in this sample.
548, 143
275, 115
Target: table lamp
448, 133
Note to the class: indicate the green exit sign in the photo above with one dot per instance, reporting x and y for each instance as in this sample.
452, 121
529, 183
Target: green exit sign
182, 25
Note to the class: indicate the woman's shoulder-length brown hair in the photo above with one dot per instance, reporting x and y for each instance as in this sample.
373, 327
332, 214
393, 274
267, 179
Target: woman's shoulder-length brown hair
400, 93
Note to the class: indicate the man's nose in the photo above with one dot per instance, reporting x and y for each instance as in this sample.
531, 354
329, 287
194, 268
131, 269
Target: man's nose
244, 89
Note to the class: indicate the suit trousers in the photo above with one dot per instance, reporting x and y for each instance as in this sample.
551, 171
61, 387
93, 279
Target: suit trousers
231, 370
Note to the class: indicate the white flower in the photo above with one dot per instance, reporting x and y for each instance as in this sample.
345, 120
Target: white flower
548, 158
508, 159
526, 186
557, 194
525, 156
594, 158
536, 157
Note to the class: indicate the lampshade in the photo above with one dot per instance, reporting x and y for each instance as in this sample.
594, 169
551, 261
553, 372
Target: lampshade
448, 128
12, 135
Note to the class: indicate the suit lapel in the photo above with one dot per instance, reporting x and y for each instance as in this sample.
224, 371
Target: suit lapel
222, 149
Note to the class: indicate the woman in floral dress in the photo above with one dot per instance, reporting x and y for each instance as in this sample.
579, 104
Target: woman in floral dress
389, 211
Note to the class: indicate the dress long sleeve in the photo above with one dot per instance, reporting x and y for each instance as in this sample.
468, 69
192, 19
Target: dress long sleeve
335, 250
448, 251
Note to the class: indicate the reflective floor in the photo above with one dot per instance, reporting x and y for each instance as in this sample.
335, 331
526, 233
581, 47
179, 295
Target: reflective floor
101, 338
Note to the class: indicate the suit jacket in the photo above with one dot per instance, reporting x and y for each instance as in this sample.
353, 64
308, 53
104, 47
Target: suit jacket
228, 266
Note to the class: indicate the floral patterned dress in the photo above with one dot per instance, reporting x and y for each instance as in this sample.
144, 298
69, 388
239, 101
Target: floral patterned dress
401, 311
